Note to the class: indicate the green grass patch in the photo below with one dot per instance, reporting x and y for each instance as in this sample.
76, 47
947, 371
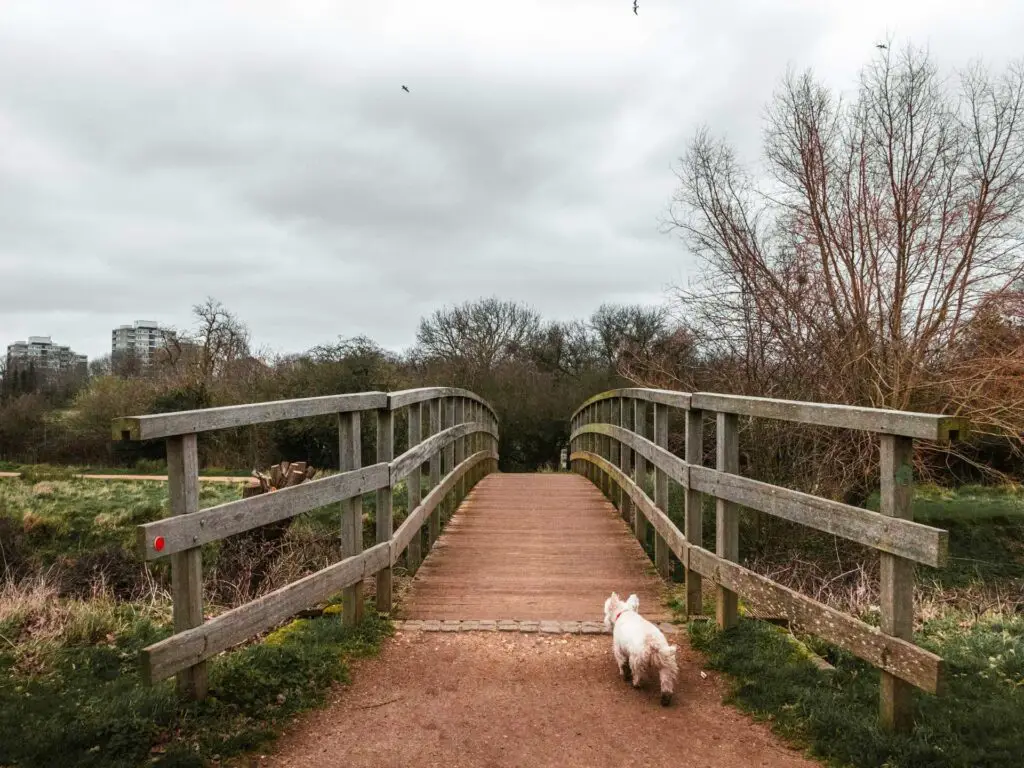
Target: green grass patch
977, 723
84, 704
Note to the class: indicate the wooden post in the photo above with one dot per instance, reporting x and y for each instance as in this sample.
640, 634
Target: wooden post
414, 554
640, 477
447, 420
187, 566
606, 447
662, 554
434, 528
460, 452
626, 459
897, 577
350, 457
614, 452
693, 513
727, 529
385, 452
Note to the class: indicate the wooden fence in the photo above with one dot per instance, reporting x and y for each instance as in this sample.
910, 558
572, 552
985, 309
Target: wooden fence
460, 447
619, 436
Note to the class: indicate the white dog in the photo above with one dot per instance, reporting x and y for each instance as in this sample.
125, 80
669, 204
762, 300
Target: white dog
639, 646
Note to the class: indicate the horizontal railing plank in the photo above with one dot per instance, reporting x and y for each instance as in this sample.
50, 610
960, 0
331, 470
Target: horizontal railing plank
422, 451
412, 523
183, 650
907, 423
901, 658
406, 397
897, 657
658, 519
197, 528
205, 419
668, 397
663, 459
905, 538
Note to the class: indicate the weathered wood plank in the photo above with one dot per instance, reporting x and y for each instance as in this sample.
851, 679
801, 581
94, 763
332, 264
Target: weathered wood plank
414, 555
640, 454
896, 576
197, 528
727, 527
661, 458
385, 524
626, 459
914, 541
906, 423
412, 523
662, 561
406, 397
434, 527
891, 654
205, 419
184, 650
350, 457
693, 526
187, 566
418, 454
669, 397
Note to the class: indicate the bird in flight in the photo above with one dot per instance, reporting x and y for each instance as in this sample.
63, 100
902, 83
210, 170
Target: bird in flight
881, 46
636, 4
405, 88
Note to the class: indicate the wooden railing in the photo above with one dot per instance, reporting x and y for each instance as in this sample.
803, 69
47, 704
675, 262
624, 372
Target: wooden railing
461, 448
614, 443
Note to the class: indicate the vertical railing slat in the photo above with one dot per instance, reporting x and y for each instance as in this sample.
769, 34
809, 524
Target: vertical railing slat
187, 566
414, 553
350, 457
385, 527
693, 509
727, 515
662, 554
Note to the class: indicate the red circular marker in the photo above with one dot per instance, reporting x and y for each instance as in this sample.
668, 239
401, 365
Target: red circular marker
158, 543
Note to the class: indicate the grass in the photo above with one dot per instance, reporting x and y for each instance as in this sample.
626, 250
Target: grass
141, 467
77, 606
978, 722
971, 613
81, 703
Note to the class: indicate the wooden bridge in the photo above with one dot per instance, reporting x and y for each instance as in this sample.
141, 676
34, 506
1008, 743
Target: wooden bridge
540, 553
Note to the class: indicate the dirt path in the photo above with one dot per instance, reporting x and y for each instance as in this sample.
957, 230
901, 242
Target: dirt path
491, 700
531, 548
140, 477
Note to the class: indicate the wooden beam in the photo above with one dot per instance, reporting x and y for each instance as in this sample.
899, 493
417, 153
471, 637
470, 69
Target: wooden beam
626, 459
350, 455
417, 454
897, 536
385, 452
406, 397
187, 649
891, 654
662, 561
693, 526
412, 483
205, 419
187, 566
727, 526
669, 397
434, 527
896, 577
658, 456
177, 534
640, 459
906, 423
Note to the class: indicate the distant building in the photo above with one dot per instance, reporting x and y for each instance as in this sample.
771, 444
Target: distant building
140, 340
42, 355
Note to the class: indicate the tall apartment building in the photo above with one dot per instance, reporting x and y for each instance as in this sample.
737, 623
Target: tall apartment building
43, 356
142, 339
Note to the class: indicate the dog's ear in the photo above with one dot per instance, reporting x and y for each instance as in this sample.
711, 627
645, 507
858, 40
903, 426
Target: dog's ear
614, 598
633, 602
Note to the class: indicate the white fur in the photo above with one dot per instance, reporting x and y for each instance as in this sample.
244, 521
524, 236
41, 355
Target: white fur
639, 646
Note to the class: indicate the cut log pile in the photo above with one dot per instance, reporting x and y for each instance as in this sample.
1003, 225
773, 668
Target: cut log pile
283, 475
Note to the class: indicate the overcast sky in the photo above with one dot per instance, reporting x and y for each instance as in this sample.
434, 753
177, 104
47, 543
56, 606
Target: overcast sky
264, 153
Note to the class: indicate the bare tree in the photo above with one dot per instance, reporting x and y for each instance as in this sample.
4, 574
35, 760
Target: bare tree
477, 336
854, 272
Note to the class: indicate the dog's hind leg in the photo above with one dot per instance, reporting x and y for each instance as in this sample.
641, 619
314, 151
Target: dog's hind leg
623, 662
668, 679
636, 665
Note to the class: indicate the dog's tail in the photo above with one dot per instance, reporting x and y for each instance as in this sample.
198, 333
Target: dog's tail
665, 654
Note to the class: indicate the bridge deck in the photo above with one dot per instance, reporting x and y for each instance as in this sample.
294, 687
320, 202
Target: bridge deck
533, 547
